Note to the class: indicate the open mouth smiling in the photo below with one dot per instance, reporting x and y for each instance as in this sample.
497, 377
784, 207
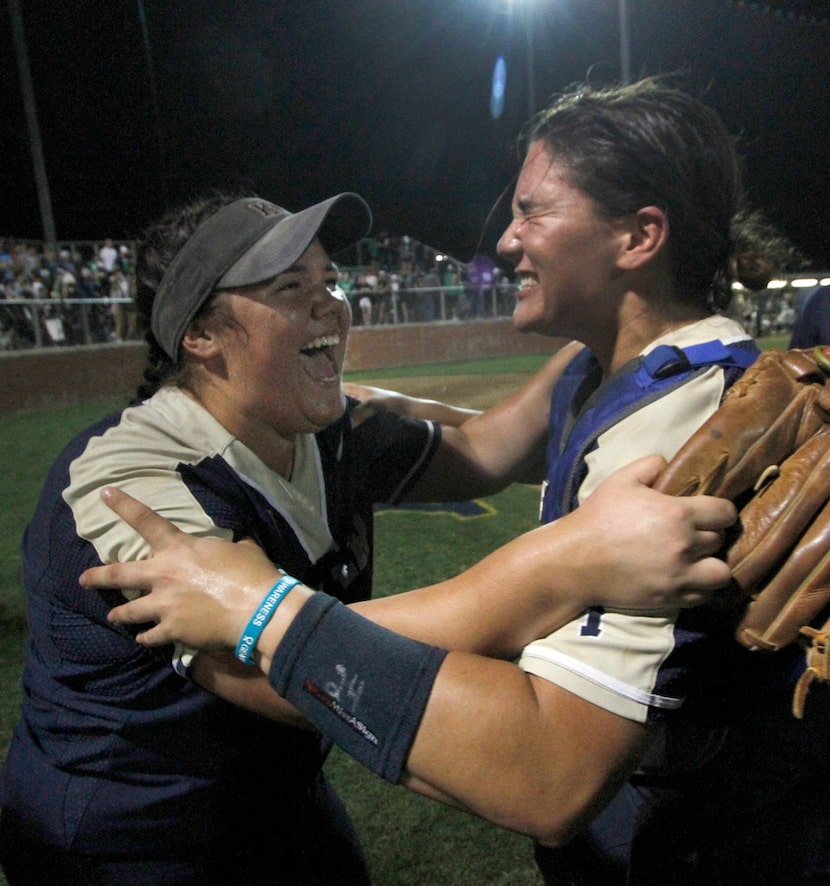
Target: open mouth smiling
319, 358
526, 281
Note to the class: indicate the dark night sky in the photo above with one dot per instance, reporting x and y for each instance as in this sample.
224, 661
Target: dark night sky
299, 100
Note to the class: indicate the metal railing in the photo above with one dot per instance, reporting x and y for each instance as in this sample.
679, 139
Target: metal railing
57, 322
47, 322
431, 304
54, 322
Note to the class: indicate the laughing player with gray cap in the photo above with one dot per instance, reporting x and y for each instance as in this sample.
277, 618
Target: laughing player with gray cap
134, 767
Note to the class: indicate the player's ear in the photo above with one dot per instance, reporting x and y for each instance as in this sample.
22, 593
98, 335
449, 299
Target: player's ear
646, 234
207, 333
200, 340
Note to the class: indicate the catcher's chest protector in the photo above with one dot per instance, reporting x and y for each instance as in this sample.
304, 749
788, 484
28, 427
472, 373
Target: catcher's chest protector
584, 406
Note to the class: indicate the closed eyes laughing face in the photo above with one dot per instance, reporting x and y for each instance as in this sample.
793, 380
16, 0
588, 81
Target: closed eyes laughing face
563, 250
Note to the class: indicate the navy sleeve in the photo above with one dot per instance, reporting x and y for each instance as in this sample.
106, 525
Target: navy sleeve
390, 454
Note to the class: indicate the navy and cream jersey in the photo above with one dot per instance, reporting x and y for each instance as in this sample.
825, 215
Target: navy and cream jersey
176, 458
639, 666
114, 746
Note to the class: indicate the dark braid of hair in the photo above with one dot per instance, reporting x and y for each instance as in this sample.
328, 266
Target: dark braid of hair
157, 248
759, 252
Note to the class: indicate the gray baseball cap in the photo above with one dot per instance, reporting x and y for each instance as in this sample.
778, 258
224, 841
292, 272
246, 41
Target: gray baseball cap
246, 242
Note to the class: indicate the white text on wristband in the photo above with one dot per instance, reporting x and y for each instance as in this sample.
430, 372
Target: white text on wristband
247, 642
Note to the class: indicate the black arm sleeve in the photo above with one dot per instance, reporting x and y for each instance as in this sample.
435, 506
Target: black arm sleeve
361, 685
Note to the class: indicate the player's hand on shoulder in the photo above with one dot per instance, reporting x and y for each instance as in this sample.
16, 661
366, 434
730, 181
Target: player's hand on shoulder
654, 550
198, 591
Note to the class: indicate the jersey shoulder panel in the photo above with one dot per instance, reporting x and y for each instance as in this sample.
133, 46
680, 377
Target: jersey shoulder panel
142, 453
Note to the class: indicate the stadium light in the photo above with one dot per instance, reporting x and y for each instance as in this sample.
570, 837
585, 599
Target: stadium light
624, 45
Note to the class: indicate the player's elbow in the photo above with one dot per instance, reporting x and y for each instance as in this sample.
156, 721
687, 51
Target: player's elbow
549, 803
555, 829
554, 817
583, 768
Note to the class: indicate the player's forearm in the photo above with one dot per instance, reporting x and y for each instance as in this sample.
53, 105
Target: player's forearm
464, 729
506, 444
244, 687
373, 399
495, 607
429, 410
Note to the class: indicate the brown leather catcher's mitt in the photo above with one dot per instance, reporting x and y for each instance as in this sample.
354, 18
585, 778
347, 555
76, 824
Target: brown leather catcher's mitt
767, 448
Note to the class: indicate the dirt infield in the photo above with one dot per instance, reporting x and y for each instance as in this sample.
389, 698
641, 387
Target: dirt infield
471, 391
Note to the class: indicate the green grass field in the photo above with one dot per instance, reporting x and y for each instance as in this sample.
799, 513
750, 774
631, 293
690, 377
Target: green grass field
409, 840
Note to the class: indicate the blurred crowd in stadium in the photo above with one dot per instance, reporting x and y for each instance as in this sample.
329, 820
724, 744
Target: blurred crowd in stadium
81, 293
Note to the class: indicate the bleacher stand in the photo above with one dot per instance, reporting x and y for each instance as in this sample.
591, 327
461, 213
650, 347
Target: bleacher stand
81, 294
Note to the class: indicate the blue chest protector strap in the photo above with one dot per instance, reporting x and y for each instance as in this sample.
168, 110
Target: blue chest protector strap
584, 406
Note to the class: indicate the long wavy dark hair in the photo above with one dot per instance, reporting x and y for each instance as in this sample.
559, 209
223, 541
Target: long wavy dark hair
651, 144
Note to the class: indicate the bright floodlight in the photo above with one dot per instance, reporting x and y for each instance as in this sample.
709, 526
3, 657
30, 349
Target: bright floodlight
497, 92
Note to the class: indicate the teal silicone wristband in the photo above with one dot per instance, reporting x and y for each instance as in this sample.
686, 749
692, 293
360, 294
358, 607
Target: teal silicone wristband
247, 642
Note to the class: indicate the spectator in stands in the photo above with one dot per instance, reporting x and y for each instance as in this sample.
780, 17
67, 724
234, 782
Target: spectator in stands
399, 306
382, 296
125, 259
364, 295
108, 255
812, 323
430, 287
30, 259
123, 316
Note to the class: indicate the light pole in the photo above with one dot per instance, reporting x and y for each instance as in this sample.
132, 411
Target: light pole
625, 50
531, 67
151, 77
511, 9
625, 43
47, 220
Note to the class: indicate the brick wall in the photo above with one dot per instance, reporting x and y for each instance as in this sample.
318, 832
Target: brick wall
53, 376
